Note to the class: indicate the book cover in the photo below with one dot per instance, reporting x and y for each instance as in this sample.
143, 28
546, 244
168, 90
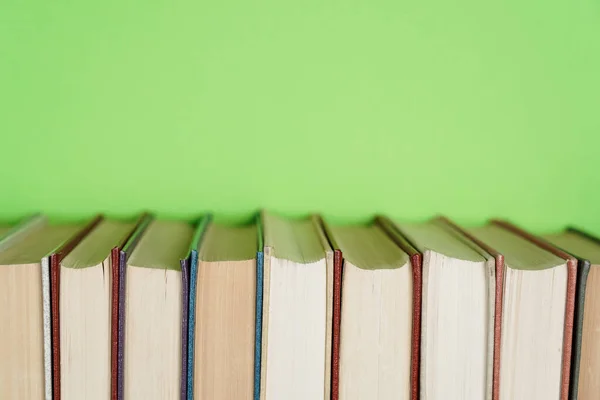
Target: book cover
451, 233
124, 254
226, 287
385, 257
498, 300
259, 310
115, 274
583, 271
570, 303
12, 235
188, 369
282, 236
338, 262
416, 259
54, 266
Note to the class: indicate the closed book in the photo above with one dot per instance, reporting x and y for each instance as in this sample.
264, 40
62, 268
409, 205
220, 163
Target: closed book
188, 370
88, 312
55, 259
154, 318
537, 313
115, 328
22, 316
124, 254
372, 314
297, 309
498, 293
585, 360
457, 320
26, 338
226, 300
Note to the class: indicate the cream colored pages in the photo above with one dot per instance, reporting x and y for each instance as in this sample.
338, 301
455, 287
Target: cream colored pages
456, 323
297, 304
153, 334
533, 320
329, 324
376, 315
225, 313
376, 333
85, 313
85, 326
316, 220
297, 330
224, 346
153, 312
21, 333
457, 318
25, 309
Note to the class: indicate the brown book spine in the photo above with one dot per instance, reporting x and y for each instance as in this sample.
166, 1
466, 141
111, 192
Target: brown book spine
570, 303
416, 261
337, 318
55, 260
114, 323
498, 326
114, 315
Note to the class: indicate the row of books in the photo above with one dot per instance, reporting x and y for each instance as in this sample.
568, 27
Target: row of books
297, 309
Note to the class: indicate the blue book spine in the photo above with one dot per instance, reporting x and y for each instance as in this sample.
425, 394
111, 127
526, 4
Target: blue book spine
259, 312
192, 323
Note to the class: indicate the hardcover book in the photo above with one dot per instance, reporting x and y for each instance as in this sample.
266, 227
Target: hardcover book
372, 314
88, 313
54, 261
25, 318
124, 254
537, 313
188, 370
227, 295
457, 321
585, 361
498, 293
155, 312
297, 309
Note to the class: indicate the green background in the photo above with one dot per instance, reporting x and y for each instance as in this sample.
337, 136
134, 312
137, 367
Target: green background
412, 108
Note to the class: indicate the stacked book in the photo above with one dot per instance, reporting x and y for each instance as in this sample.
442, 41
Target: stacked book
297, 309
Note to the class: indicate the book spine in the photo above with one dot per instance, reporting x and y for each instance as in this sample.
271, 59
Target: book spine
192, 323
498, 326
114, 323
121, 347
416, 262
55, 311
185, 292
55, 260
46, 300
582, 276
337, 318
258, 323
570, 301
568, 332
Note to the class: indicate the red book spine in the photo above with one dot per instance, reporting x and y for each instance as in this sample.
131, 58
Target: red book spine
416, 328
337, 317
114, 320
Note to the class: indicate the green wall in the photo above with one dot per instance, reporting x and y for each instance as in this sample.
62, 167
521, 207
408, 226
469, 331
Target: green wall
411, 108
